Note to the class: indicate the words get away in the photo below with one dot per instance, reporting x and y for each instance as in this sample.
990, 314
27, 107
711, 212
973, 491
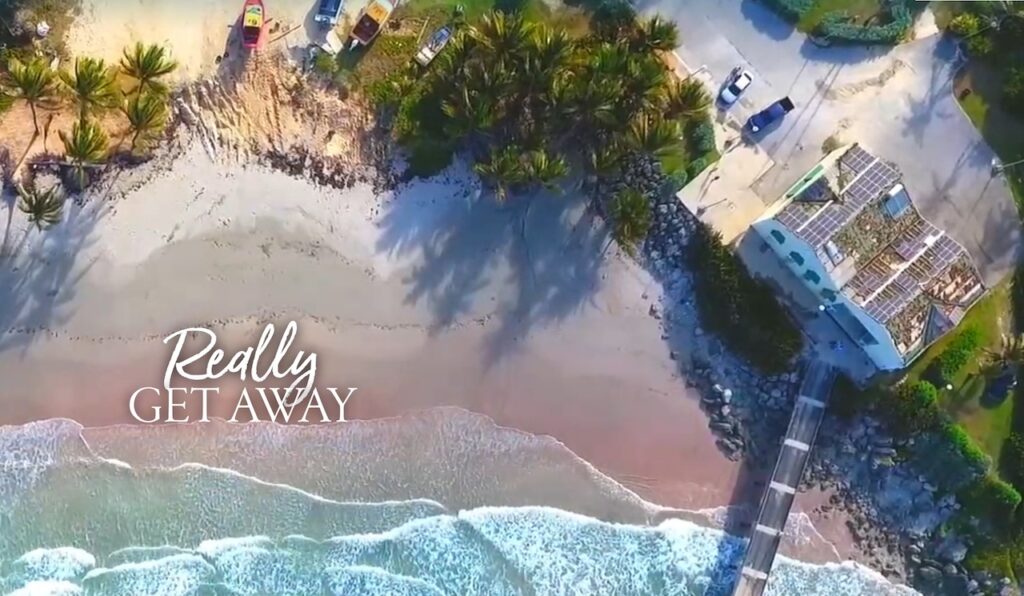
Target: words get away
290, 396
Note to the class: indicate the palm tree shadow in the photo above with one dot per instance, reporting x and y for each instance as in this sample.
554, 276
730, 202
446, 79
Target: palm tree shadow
528, 262
39, 275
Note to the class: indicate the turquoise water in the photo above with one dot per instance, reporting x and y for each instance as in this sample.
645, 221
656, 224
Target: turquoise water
74, 522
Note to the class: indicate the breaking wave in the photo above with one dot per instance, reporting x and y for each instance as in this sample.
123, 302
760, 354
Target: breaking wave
285, 510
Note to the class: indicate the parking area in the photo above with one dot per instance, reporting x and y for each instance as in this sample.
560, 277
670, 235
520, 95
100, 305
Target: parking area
898, 102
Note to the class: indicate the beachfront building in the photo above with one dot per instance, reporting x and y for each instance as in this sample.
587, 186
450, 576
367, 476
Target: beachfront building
872, 282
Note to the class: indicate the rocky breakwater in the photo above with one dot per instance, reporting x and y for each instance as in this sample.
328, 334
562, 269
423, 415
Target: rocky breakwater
895, 513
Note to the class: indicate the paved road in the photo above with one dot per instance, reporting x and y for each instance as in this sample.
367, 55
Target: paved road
897, 102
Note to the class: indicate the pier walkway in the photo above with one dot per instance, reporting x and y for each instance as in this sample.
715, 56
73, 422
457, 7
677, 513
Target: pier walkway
781, 491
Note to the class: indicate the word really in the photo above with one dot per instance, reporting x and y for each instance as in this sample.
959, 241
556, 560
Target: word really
258, 364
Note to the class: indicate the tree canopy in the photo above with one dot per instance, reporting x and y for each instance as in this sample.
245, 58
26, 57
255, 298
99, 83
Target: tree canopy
525, 100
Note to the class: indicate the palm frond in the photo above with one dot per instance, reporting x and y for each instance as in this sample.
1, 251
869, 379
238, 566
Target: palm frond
685, 99
653, 134
92, 85
43, 208
85, 146
147, 116
631, 219
147, 65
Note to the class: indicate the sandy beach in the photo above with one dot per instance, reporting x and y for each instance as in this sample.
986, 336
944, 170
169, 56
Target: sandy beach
423, 296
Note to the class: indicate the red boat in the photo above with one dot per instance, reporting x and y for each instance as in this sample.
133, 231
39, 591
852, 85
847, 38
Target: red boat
254, 24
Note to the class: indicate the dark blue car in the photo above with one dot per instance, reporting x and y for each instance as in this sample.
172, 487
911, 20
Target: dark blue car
774, 112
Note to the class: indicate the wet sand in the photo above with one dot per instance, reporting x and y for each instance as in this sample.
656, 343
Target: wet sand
430, 298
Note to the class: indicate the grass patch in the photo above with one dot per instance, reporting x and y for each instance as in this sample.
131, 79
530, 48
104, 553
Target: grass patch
862, 12
1001, 129
987, 423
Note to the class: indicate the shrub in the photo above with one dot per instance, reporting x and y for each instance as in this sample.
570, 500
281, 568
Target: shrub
675, 181
966, 448
1013, 89
791, 10
1012, 459
965, 24
695, 167
848, 400
957, 354
837, 28
992, 499
428, 157
325, 64
912, 408
980, 46
741, 310
703, 138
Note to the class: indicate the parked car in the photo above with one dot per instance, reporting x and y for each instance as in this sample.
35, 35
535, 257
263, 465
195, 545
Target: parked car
741, 79
770, 114
328, 12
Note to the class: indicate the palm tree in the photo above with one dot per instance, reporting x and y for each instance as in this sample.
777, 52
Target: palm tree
645, 79
550, 51
656, 33
147, 64
470, 115
685, 99
6, 101
44, 208
631, 219
653, 134
1009, 356
502, 170
544, 169
35, 83
147, 115
93, 85
85, 147
504, 35
602, 161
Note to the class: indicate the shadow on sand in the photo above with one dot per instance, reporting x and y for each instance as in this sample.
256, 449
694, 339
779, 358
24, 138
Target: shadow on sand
39, 270
532, 261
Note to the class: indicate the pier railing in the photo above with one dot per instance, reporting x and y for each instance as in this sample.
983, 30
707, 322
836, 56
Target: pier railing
808, 412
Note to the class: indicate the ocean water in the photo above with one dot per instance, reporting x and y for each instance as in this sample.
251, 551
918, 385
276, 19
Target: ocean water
74, 519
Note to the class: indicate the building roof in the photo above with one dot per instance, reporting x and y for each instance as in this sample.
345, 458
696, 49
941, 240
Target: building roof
900, 269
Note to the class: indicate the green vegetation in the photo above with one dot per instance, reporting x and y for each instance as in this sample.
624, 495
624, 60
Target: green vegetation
44, 208
987, 422
93, 89
991, 88
93, 86
86, 146
527, 100
964, 346
850, 21
631, 219
740, 309
33, 83
860, 12
147, 116
147, 65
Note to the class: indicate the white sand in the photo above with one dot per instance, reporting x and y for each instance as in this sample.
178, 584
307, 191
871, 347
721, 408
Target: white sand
195, 31
425, 298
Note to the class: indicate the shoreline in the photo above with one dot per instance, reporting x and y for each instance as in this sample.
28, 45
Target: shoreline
647, 416
555, 327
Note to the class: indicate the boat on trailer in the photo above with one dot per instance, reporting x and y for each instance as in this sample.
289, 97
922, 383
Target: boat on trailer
370, 22
254, 24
